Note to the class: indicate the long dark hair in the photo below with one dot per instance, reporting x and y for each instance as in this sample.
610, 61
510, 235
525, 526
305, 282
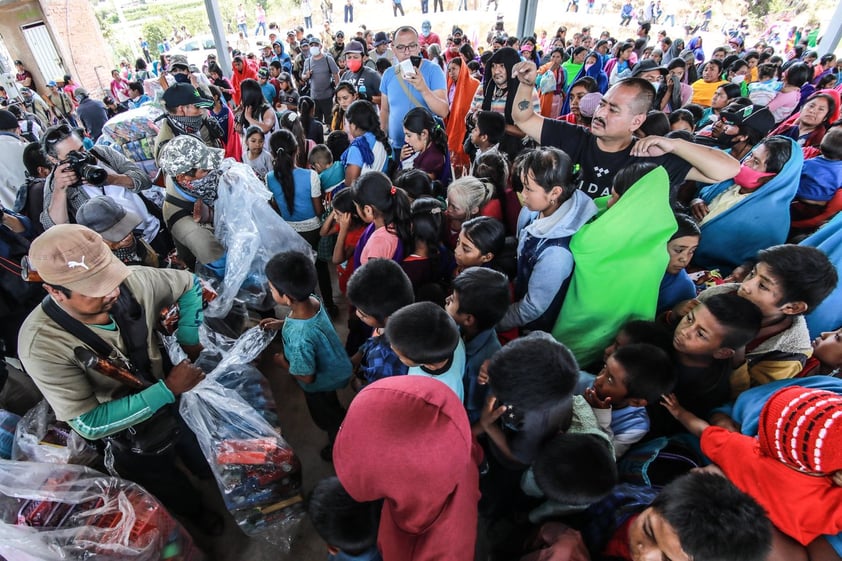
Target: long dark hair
306, 107
420, 119
284, 146
252, 96
426, 223
291, 121
363, 115
337, 123
375, 189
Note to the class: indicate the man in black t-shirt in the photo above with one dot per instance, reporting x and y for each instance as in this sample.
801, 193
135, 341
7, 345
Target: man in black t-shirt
610, 144
366, 80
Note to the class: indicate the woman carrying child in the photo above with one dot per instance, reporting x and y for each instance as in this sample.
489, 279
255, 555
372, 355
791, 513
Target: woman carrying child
369, 150
298, 196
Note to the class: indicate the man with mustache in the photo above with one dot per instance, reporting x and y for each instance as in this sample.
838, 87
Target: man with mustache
610, 144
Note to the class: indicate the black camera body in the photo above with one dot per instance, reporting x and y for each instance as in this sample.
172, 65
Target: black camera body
84, 164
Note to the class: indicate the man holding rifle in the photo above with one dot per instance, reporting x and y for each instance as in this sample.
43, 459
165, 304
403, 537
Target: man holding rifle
98, 310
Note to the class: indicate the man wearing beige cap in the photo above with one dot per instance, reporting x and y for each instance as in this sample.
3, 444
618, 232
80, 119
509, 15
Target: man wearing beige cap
94, 300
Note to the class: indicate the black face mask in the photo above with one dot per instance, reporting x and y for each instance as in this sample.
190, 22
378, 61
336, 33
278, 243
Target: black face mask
457, 41
182, 78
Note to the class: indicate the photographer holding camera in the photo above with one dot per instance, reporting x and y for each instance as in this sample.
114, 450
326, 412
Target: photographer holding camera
79, 175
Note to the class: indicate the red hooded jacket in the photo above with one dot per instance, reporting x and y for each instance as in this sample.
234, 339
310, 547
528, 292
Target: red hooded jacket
237, 77
407, 440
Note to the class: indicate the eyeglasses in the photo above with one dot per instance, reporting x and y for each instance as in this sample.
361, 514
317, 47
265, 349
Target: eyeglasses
405, 48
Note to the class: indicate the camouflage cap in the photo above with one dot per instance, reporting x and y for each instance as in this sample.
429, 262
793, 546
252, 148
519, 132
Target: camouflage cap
179, 60
186, 152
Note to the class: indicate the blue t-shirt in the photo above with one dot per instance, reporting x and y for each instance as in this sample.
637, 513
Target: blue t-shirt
820, 179
400, 104
311, 346
453, 376
674, 289
477, 350
379, 360
303, 200
269, 92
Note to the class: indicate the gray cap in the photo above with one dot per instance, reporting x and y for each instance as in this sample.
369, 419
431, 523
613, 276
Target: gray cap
186, 152
179, 60
80, 94
106, 217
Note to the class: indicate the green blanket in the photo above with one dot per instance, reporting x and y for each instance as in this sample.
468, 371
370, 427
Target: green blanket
620, 259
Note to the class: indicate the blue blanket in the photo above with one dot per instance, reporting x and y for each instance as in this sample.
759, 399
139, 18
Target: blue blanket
758, 221
828, 315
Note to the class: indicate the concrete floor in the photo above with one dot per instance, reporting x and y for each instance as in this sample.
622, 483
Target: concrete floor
307, 440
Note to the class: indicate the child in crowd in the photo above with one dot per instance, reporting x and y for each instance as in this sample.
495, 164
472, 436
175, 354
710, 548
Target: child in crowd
348, 527
426, 339
369, 149
766, 87
677, 286
386, 210
337, 142
481, 241
793, 466
634, 376
827, 355
415, 182
429, 265
705, 343
346, 224
531, 380
479, 300
468, 197
625, 178
425, 145
331, 173
640, 331
504, 204
297, 195
377, 290
821, 178
553, 211
312, 351
487, 134
254, 153
787, 282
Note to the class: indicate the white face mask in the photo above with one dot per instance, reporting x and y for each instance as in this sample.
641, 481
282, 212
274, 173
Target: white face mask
315, 51
738, 79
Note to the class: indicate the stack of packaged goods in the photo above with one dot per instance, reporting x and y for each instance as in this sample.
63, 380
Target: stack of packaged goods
74, 512
132, 133
39, 437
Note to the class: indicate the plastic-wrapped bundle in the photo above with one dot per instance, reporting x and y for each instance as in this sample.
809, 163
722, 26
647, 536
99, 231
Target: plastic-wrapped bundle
132, 133
52, 512
256, 471
252, 232
39, 437
8, 422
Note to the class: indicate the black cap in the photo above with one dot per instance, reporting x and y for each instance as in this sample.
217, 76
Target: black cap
185, 94
647, 65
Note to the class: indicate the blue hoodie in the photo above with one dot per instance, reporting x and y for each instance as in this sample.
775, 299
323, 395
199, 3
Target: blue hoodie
545, 262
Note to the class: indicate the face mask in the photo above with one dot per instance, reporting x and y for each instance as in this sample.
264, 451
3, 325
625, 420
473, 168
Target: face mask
205, 188
425, 32
457, 41
751, 179
128, 255
738, 79
182, 78
354, 65
189, 124
315, 51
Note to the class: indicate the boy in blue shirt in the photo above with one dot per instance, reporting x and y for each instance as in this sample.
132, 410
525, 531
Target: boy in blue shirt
312, 351
331, 173
480, 299
427, 340
377, 290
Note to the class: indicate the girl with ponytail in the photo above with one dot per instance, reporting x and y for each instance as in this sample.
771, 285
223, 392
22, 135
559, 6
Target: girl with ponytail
386, 210
297, 194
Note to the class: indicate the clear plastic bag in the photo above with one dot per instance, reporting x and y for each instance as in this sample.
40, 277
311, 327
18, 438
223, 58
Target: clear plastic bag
39, 437
256, 471
8, 424
252, 232
50, 512
133, 133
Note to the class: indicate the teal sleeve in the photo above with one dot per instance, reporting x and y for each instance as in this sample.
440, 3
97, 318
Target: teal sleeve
114, 416
190, 315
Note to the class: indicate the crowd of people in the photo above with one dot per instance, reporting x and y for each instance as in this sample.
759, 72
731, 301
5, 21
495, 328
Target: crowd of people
576, 269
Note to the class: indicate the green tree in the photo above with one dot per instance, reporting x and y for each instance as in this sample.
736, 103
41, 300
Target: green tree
152, 32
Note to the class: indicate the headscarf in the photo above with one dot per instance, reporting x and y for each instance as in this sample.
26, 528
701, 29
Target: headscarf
508, 57
466, 87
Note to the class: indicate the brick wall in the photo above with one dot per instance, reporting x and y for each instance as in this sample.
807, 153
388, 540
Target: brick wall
74, 29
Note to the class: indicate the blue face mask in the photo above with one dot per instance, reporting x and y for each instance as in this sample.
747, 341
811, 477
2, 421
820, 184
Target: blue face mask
425, 31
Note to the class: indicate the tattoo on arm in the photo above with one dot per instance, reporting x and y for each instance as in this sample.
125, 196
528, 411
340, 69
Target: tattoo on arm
523, 105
